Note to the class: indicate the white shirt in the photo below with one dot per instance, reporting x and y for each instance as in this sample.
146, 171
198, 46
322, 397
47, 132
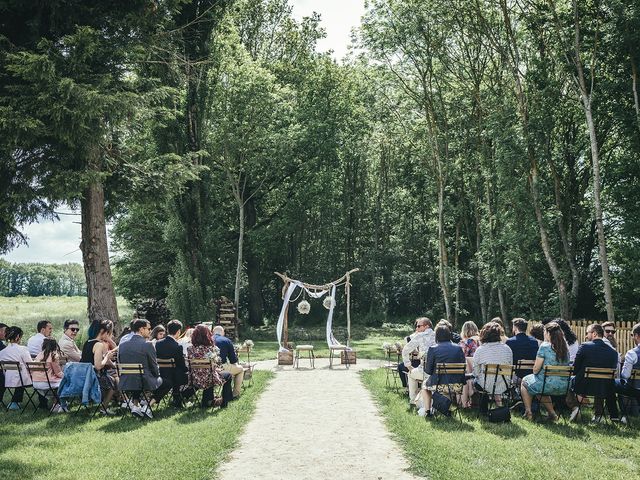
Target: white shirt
34, 344
16, 353
421, 341
492, 352
573, 349
630, 360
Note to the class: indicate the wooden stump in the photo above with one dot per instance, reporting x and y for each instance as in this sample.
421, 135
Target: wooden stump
285, 358
348, 357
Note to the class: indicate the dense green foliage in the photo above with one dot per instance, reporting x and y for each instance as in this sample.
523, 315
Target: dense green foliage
38, 279
473, 159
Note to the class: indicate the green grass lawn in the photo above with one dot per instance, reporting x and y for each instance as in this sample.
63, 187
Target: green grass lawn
445, 448
26, 312
369, 347
187, 444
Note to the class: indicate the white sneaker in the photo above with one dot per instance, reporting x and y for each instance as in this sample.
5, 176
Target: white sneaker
137, 410
597, 419
422, 412
574, 414
147, 411
59, 409
624, 421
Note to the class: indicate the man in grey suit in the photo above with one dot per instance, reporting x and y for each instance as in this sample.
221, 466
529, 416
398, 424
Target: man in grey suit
138, 350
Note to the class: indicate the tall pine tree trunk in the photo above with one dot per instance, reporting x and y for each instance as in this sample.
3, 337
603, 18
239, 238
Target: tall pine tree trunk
101, 297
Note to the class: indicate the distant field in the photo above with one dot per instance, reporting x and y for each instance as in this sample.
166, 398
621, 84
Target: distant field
25, 312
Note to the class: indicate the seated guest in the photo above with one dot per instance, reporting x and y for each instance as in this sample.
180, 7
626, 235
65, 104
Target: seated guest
444, 351
202, 348
610, 334
522, 345
503, 336
185, 340
158, 333
127, 333
553, 352
169, 348
455, 337
3, 330
14, 352
138, 350
490, 351
421, 342
624, 386
68, 348
50, 355
229, 359
403, 371
593, 353
95, 352
569, 335
469, 343
34, 344
537, 332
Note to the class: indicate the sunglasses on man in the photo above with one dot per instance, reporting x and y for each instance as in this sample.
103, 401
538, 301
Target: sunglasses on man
73, 329
611, 332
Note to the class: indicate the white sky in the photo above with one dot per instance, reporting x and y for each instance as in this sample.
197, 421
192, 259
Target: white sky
58, 242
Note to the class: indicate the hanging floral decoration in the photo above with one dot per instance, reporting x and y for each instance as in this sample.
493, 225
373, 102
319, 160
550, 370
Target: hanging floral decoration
328, 302
304, 307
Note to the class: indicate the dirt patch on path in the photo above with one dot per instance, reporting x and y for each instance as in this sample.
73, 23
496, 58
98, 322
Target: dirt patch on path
316, 424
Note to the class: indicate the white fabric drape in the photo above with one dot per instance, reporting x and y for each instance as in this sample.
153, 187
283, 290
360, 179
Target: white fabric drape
285, 304
331, 340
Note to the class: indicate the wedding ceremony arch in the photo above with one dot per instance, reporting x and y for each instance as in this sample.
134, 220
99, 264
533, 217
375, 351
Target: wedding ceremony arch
314, 291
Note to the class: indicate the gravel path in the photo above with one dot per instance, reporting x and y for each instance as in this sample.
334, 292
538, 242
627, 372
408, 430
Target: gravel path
316, 424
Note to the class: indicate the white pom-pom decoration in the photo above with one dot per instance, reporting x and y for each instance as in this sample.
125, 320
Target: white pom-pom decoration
304, 307
328, 302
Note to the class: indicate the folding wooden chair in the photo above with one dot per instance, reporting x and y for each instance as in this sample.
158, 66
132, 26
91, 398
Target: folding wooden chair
200, 364
524, 367
134, 369
625, 400
15, 367
555, 371
247, 367
452, 369
597, 374
391, 369
499, 372
50, 391
168, 366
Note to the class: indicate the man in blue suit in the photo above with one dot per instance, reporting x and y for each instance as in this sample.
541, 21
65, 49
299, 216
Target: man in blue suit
229, 359
523, 346
594, 353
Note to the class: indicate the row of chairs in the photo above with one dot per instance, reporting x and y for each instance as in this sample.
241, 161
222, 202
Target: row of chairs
510, 373
123, 369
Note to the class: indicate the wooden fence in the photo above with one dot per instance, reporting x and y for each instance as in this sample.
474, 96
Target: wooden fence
623, 333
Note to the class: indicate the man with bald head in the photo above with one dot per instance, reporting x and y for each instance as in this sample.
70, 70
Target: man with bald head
229, 359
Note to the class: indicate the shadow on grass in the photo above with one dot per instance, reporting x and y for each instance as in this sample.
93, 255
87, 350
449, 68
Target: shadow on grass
128, 423
197, 414
12, 469
506, 431
450, 424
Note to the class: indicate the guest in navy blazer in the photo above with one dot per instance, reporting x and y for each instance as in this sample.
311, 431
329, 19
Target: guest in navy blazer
444, 351
523, 346
169, 348
594, 353
229, 359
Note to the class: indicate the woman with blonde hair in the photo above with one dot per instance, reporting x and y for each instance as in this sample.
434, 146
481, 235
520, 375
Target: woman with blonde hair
469, 343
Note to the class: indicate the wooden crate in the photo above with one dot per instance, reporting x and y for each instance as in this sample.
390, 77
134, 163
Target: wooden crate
348, 357
285, 358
